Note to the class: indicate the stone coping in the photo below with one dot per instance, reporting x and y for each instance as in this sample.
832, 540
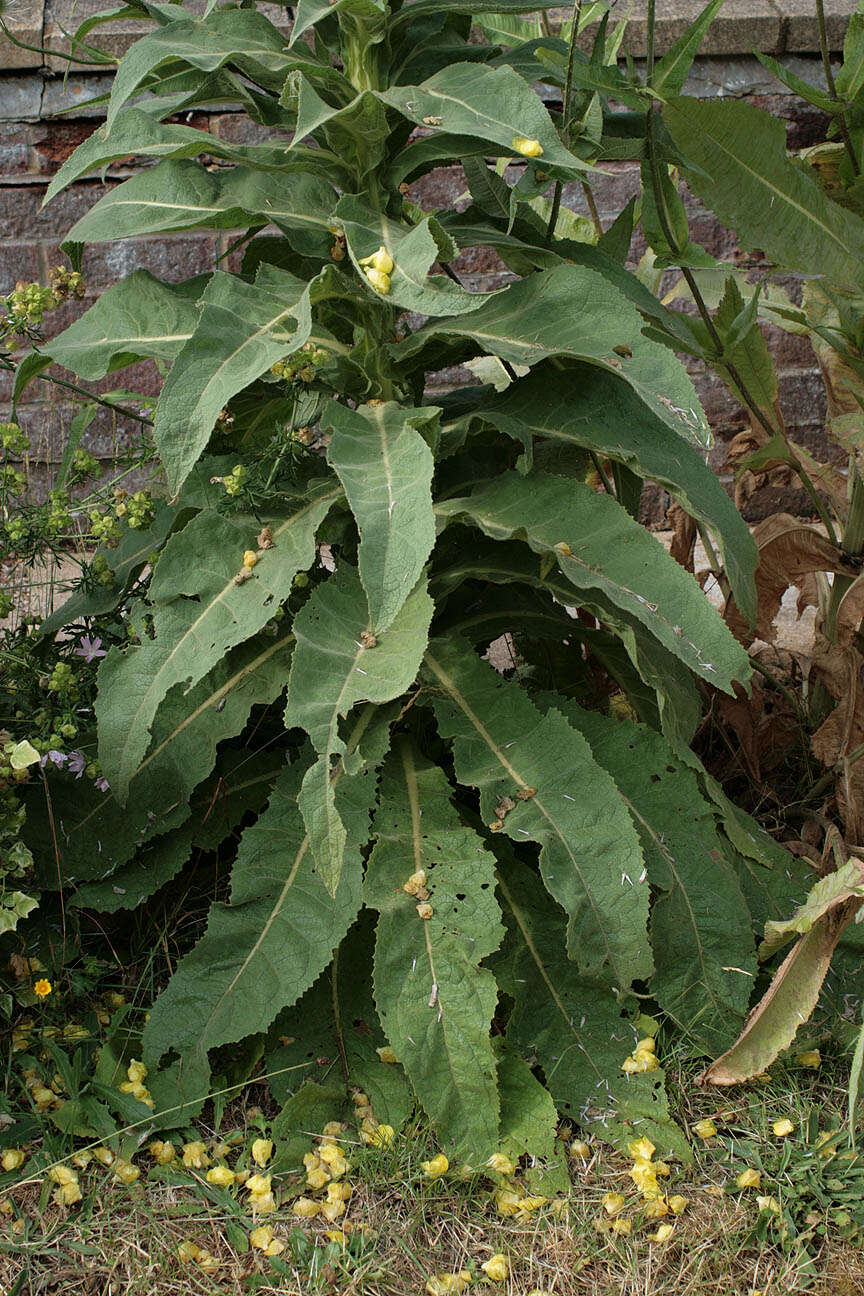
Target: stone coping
771, 26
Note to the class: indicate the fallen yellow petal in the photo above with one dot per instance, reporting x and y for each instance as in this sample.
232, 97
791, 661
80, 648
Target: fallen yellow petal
641, 1149
262, 1150
705, 1129
749, 1179
769, 1204
663, 1234
497, 1267
677, 1204
221, 1176
612, 1203
438, 1166
530, 148
812, 1058
783, 1127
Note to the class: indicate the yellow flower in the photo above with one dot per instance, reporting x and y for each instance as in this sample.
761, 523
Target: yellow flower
381, 261
12, 1158
530, 148
339, 1192
195, 1156
768, 1204
259, 1183
415, 883
641, 1149
529, 1204
262, 1239
221, 1176
262, 1203
715, 1190
379, 281
317, 1177
663, 1234
332, 1129
162, 1153
443, 1284
6, 1207
250, 558
507, 1201
705, 1129
67, 1194
644, 1176
333, 1157
136, 1072
646, 1045
497, 1267
82, 1159
749, 1179
640, 1061
42, 988
623, 1227
381, 1136
187, 1252
360, 1099
612, 1203
812, 1058
104, 1154
579, 1148
677, 1204
438, 1166
262, 1150
386, 1054
501, 1164
783, 1127
656, 1208
61, 1174
304, 1208
206, 1261
125, 1171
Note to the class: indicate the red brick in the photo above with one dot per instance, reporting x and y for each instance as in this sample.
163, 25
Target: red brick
17, 261
171, 257
21, 217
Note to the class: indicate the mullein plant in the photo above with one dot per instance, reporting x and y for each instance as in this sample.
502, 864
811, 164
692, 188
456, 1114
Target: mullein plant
450, 885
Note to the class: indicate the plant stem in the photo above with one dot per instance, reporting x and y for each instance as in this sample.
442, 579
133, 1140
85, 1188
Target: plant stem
592, 208
714, 560
566, 113
607, 485
832, 89
100, 400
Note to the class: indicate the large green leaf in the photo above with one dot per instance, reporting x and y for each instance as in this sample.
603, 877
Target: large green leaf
590, 857
199, 613
672, 69
739, 167
242, 330
481, 102
570, 311
700, 925
413, 249
582, 406
338, 662
386, 468
598, 546
138, 317
242, 37
576, 1028
434, 1000
181, 194
273, 938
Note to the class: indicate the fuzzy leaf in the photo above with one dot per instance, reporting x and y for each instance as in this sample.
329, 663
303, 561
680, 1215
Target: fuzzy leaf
570, 311
738, 166
135, 318
845, 883
671, 71
434, 1001
199, 613
327, 680
586, 407
386, 468
181, 194
700, 924
277, 933
590, 858
598, 546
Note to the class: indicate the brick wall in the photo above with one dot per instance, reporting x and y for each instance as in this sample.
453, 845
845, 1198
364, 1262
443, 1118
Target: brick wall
33, 145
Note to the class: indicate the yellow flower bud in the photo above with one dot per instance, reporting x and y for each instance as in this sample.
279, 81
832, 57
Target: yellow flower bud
783, 1127
530, 148
497, 1267
221, 1176
434, 1169
379, 281
749, 1179
262, 1150
705, 1129
380, 260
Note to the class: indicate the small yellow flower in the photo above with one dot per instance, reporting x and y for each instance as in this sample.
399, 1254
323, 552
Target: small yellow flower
530, 148
644, 1175
783, 1127
333, 1158
262, 1203
262, 1150
339, 1192
715, 1190
332, 1129
195, 1156
623, 1227
641, 1149
379, 281
125, 1171
425, 910
42, 988
262, 1239
663, 1234
136, 1072
579, 1148
415, 883
448, 1284
497, 1267
501, 1164
769, 1204
6, 1207
12, 1158
221, 1176
258, 1183
527, 1205
187, 1252
250, 558
507, 1201
656, 1208
360, 1099
705, 1129
612, 1203
438, 1166
82, 1159
67, 1194
381, 261
304, 1208
206, 1261
104, 1154
677, 1204
640, 1060
381, 1136
162, 1153
62, 1174
386, 1054
812, 1058
749, 1179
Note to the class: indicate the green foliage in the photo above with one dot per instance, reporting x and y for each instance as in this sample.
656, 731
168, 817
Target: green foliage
495, 899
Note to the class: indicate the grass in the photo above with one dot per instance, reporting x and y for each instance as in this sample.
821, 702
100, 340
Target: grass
123, 1240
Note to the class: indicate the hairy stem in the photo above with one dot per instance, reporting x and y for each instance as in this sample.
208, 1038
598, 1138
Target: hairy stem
842, 124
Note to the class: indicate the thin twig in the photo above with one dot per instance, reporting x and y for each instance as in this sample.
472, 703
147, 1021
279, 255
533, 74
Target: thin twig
566, 113
99, 400
832, 88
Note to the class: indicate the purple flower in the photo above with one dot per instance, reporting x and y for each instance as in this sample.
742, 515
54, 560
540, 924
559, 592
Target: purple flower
77, 763
89, 649
102, 784
57, 758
